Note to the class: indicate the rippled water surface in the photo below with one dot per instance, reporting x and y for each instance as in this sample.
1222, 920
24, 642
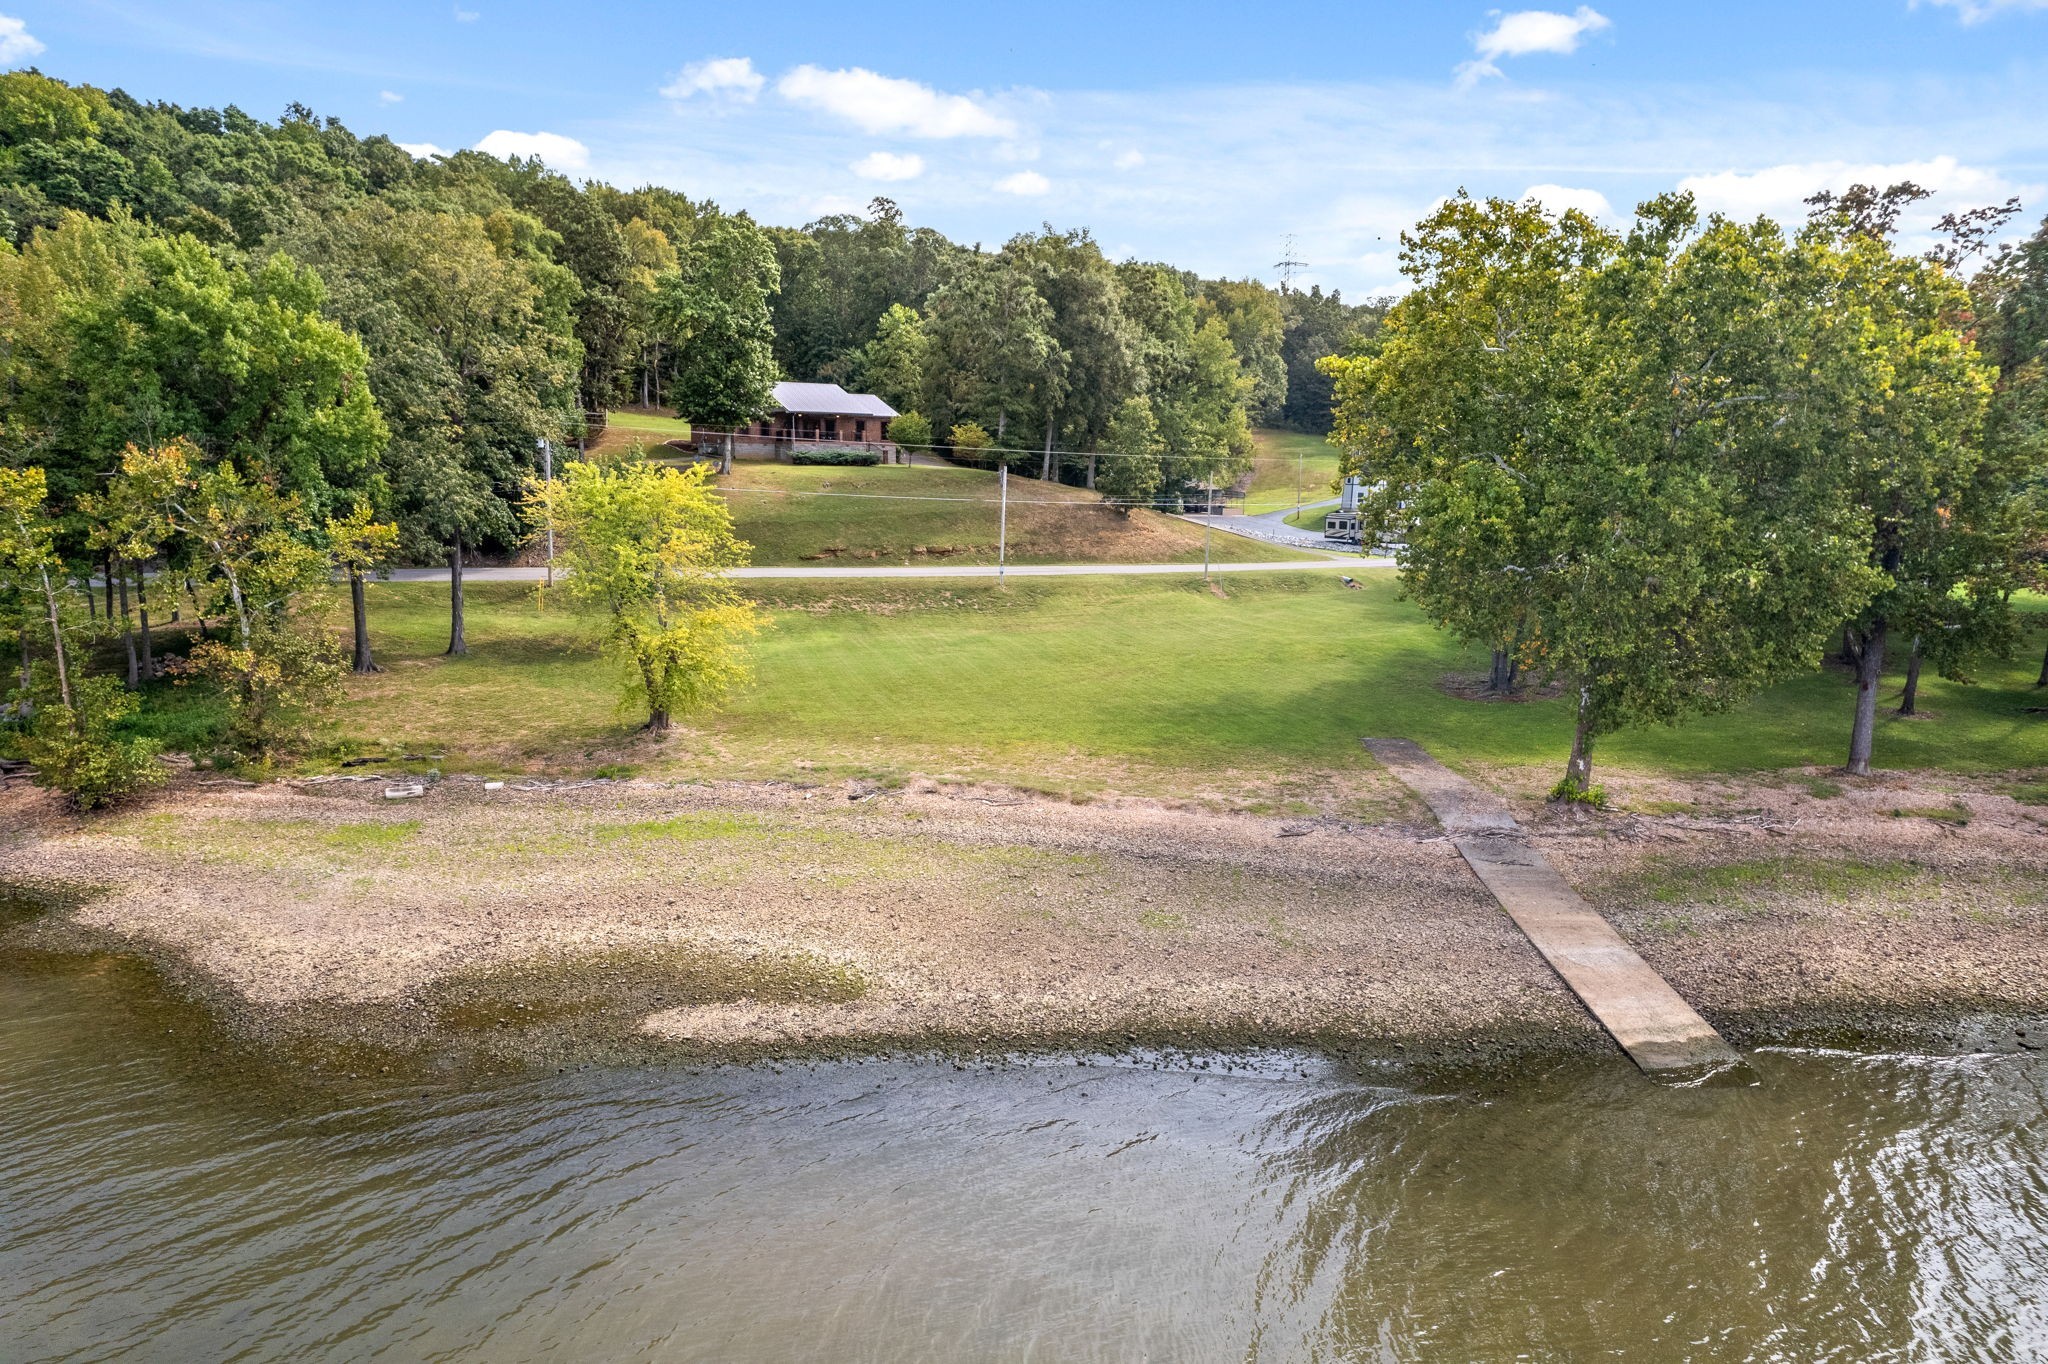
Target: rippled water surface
163, 1201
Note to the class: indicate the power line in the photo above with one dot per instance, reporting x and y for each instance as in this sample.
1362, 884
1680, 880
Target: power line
1076, 502
1034, 451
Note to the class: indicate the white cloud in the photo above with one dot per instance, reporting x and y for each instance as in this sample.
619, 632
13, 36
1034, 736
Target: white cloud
422, 150
1529, 31
732, 77
390, 97
889, 166
1977, 11
1130, 160
558, 152
885, 104
17, 44
1558, 198
1027, 183
467, 16
1781, 191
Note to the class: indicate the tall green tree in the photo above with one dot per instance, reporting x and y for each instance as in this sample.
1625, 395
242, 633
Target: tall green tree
1251, 315
117, 335
1190, 372
1441, 409
892, 365
993, 356
1092, 365
1639, 434
1132, 473
1936, 533
470, 326
714, 308
2012, 313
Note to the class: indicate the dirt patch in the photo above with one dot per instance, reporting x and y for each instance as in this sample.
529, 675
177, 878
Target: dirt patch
626, 918
1478, 687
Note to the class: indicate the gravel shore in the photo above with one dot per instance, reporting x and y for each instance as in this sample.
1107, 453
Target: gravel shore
734, 921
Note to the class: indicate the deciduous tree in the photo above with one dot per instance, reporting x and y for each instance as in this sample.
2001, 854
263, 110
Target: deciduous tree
714, 311
651, 545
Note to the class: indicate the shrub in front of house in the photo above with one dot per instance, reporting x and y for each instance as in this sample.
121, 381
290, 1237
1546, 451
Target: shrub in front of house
826, 456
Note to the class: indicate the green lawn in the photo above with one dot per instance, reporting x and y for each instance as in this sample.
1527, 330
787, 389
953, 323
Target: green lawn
654, 424
1066, 679
1285, 458
795, 514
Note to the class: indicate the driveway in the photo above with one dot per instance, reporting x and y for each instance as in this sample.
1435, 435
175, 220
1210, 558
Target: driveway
1272, 527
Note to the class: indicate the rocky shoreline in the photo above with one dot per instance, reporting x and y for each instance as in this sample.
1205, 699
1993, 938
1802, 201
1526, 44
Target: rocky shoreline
633, 921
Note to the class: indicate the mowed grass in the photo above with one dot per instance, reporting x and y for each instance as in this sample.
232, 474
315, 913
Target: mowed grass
654, 423
1284, 459
1285, 670
918, 514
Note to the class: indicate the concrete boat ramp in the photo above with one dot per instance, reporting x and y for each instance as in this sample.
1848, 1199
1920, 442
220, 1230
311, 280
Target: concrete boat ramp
1660, 1031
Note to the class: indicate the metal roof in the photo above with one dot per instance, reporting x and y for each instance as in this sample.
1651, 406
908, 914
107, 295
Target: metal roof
829, 400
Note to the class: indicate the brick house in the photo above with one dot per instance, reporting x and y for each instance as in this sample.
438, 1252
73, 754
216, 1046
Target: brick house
810, 416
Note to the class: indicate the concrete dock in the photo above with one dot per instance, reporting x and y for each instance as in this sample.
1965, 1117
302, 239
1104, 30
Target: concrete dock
1654, 1025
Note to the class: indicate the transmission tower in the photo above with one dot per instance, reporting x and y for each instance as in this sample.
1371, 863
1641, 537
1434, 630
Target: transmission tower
1287, 265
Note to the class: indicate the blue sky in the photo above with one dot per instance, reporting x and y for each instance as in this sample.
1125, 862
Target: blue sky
1202, 134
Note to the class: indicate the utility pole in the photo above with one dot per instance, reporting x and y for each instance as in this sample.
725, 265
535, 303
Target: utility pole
1206, 528
547, 472
1002, 523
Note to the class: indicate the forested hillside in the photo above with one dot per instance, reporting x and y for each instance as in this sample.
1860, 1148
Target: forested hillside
355, 324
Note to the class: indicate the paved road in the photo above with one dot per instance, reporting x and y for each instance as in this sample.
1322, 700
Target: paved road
531, 575
1272, 527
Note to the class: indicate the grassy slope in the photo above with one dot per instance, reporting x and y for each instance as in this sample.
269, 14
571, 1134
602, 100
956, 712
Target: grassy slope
808, 514
653, 423
1051, 675
1282, 457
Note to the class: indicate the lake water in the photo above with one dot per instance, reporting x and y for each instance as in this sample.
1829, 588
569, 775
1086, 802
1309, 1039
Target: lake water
166, 1197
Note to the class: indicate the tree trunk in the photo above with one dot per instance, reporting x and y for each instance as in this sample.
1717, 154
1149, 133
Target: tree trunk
127, 627
657, 722
2042, 680
1910, 699
725, 465
1499, 677
1578, 769
1045, 467
57, 644
142, 612
363, 662
107, 583
1091, 484
457, 644
193, 593
1869, 669
1848, 654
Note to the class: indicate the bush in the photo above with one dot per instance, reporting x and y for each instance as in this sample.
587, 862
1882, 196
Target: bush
829, 456
1569, 792
273, 690
911, 430
77, 752
969, 442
